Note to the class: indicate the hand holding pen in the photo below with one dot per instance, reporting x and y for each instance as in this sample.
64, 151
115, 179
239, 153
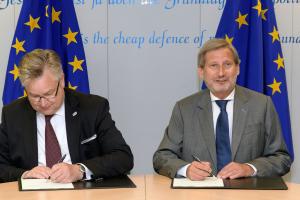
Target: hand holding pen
199, 170
197, 159
59, 161
64, 172
41, 172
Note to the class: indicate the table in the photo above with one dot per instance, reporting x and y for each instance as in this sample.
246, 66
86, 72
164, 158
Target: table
10, 191
150, 187
158, 188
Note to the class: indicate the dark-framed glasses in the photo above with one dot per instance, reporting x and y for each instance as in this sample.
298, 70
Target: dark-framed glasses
49, 98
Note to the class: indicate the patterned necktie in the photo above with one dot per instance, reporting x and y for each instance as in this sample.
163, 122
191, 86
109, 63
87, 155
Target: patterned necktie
53, 153
222, 137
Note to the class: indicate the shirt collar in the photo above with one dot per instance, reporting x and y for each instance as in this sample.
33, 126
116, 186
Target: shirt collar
61, 110
229, 97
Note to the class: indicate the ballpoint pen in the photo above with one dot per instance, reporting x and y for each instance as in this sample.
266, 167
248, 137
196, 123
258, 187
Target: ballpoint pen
62, 158
197, 159
59, 161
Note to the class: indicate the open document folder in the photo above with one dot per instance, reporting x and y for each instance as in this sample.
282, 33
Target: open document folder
122, 181
250, 183
207, 182
43, 184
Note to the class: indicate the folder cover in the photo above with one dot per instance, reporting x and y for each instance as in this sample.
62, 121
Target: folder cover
122, 181
252, 183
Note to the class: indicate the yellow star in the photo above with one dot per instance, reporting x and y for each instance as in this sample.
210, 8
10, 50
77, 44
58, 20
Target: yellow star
15, 72
19, 46
33, 23
76, 64
71, 36
24, 95
72, 87
275, 86
274, 34
55, 15
46, 11
258, 7
228, 39
279, 62
241, 19
260, 11
263, 12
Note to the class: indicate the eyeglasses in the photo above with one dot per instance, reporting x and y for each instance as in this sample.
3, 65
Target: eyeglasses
49, 98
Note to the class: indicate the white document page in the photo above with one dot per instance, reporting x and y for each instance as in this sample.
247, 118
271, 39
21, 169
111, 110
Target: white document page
207, 182
43, 184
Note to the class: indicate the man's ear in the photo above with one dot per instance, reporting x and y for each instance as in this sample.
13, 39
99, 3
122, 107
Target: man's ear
62, 79
200, 73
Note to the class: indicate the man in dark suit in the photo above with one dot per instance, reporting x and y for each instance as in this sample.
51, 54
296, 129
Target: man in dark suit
197, 142
87, 142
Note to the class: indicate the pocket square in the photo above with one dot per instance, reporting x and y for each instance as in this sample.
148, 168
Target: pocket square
89, 139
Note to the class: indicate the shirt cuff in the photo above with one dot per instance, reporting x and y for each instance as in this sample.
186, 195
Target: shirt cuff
253, 167
182, 170
88, 173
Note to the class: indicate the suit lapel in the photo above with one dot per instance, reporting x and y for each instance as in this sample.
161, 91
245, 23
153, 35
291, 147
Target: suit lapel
72, 125
205, 122
30, 127
240, 110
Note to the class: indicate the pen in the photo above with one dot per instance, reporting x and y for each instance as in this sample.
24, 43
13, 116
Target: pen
62, 158
197, 159
59, 161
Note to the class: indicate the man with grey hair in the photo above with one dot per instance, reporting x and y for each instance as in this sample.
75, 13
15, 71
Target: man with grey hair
58, 133
225, 130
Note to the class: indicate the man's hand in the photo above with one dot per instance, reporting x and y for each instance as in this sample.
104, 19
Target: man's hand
235, 170
37, 172
198, 170
65, 173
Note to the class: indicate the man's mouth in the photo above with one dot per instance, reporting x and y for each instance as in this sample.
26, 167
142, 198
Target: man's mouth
221, 81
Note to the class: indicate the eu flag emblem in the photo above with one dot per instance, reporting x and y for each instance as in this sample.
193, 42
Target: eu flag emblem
47, 24
251, 27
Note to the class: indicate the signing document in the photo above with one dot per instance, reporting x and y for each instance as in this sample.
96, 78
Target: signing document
44, 184
207, 182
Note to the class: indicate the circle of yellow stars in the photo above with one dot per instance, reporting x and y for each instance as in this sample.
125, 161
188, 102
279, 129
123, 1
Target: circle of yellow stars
33, 24
242, 21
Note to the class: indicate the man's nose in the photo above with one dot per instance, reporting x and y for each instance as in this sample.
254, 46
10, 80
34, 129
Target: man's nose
221, 70
43, 102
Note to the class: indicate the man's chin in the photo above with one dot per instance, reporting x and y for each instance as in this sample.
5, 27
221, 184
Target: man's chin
222, 92
222, 89
45, 112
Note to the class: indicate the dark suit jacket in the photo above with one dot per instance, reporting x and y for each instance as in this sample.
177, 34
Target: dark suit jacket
86, 115
256, 135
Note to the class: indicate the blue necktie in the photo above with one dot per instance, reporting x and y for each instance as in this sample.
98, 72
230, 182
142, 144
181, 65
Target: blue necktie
222, 136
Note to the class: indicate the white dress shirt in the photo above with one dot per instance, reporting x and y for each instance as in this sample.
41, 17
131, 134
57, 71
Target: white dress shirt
58, 123
229, 109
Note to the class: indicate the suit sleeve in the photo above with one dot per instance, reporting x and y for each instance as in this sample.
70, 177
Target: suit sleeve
114, 157
167, 159
8, 172
275, 160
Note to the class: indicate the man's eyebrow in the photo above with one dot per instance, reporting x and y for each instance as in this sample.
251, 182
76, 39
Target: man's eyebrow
46, 93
